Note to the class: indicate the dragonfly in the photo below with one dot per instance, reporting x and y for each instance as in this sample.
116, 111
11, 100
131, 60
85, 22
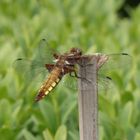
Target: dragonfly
61, 65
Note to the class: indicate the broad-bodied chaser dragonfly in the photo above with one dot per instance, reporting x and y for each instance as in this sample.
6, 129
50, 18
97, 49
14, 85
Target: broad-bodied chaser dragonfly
62, 64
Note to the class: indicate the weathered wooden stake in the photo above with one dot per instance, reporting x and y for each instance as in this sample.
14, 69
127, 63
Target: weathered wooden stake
88, 101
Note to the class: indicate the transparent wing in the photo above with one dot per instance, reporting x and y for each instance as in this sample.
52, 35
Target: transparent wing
35, 69
70, 82
105, 83
30, 70
120, 62
116, 62
44, 53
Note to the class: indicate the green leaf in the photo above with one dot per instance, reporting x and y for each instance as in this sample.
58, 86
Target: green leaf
106, 106
26, 135
61, 133
126, 97
47, 135
49, 115
126, 115
16, 108
67, 107
74, 135
7, 133
101, 130
5, 110
137, 136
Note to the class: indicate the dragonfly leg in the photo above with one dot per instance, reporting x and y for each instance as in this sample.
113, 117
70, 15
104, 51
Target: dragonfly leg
79, 77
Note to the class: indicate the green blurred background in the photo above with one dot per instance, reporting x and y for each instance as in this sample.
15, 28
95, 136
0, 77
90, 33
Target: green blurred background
95, 26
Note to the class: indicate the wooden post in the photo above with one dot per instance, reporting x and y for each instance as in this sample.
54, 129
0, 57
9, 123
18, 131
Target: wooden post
88, 100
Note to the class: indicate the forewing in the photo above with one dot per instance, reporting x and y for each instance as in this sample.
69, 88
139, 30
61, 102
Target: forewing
33, 69
115, 62
45, 53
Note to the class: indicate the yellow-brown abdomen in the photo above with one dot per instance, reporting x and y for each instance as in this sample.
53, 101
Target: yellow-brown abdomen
51, 82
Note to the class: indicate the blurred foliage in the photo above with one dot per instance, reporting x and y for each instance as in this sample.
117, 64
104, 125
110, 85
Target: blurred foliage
93, 26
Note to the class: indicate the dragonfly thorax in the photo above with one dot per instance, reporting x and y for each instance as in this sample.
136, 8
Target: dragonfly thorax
61, 61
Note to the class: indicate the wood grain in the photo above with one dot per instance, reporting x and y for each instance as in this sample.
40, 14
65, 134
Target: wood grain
88, 100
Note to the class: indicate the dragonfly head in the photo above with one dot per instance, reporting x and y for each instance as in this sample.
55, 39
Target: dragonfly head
76, 51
